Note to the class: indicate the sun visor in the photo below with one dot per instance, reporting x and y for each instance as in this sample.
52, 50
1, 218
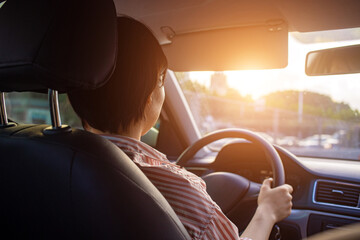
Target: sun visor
57, 44
241, 48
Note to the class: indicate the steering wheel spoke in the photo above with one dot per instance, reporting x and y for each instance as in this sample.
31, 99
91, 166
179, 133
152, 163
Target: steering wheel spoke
252, 193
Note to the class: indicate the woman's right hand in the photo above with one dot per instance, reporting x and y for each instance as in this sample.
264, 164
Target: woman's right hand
275, 203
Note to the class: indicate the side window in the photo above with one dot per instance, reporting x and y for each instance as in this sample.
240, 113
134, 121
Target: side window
164, 137
170, 140
33, 108
151, 137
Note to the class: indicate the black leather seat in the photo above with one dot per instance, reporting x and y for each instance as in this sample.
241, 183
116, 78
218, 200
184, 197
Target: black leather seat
69, 184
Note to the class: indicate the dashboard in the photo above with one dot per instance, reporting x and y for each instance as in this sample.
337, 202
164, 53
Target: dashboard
326, 191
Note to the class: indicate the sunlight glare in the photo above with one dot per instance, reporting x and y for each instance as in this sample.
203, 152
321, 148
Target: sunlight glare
257, 83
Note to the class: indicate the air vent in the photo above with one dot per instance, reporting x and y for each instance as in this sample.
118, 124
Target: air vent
337, 193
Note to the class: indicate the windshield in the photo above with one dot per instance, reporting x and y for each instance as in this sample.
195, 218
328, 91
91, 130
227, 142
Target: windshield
310, 116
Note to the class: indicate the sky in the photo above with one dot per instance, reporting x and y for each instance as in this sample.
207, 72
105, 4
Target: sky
341, 88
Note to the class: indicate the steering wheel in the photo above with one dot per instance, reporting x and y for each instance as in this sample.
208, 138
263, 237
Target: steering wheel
236, 195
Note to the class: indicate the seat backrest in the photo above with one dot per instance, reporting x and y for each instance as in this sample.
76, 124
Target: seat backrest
70, 184
77, 185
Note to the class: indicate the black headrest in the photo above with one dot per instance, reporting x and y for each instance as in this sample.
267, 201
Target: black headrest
57, 44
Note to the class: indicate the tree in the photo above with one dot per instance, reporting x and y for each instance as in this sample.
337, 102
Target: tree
313, 103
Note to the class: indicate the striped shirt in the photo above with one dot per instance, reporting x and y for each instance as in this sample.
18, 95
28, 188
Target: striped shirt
185, 192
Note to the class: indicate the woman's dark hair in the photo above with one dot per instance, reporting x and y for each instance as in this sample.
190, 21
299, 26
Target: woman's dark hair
122, 99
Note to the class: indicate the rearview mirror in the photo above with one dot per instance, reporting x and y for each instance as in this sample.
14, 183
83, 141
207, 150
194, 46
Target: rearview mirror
342, 60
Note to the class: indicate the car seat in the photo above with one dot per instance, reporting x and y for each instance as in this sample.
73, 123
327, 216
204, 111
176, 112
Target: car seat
57, 182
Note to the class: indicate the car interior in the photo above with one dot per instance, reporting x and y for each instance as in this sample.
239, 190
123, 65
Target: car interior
61, 182
56, 181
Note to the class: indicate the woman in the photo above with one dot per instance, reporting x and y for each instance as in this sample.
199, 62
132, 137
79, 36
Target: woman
129, 104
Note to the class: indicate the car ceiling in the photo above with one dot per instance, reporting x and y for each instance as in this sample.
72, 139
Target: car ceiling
186, 16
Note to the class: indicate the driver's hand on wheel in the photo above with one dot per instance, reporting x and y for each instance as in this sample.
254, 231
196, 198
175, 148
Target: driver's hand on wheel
275, 202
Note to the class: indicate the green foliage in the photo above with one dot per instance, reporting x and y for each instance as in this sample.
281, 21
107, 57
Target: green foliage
313, 103
196, 87
234, 94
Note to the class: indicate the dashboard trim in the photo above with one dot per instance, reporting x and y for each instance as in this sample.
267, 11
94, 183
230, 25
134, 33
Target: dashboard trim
301, 217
